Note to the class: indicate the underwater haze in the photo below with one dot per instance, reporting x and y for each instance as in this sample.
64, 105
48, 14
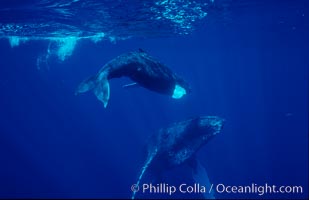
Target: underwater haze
246, 62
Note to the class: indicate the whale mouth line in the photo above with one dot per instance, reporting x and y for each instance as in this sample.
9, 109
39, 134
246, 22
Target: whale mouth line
178, 92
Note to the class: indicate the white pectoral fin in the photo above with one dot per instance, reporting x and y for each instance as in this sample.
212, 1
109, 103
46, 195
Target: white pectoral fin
130, 85
144, 168
102, 91
178, 92
200, 176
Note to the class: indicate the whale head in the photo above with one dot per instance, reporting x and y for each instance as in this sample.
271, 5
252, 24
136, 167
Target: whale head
208, 126
195, 134
180, 141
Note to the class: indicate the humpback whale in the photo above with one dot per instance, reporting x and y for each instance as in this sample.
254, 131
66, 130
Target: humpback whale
177, 145
140, 67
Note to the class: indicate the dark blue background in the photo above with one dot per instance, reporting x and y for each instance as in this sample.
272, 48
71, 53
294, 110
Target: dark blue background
248, 65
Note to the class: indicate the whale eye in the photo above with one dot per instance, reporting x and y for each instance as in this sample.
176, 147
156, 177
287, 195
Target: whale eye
178, 92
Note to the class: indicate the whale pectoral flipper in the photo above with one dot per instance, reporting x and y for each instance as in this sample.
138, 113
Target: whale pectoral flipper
100, 87
130, 85
200, 176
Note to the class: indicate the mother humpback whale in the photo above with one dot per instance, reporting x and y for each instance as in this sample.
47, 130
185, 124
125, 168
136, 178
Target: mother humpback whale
142, 69
177, 145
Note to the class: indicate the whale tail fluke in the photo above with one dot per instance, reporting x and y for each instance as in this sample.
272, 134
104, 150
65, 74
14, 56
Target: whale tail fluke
100, 87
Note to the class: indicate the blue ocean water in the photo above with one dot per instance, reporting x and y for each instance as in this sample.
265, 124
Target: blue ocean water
246, 61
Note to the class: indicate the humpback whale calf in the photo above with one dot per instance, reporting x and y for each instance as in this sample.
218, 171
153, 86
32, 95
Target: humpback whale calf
177, 145
143, 69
